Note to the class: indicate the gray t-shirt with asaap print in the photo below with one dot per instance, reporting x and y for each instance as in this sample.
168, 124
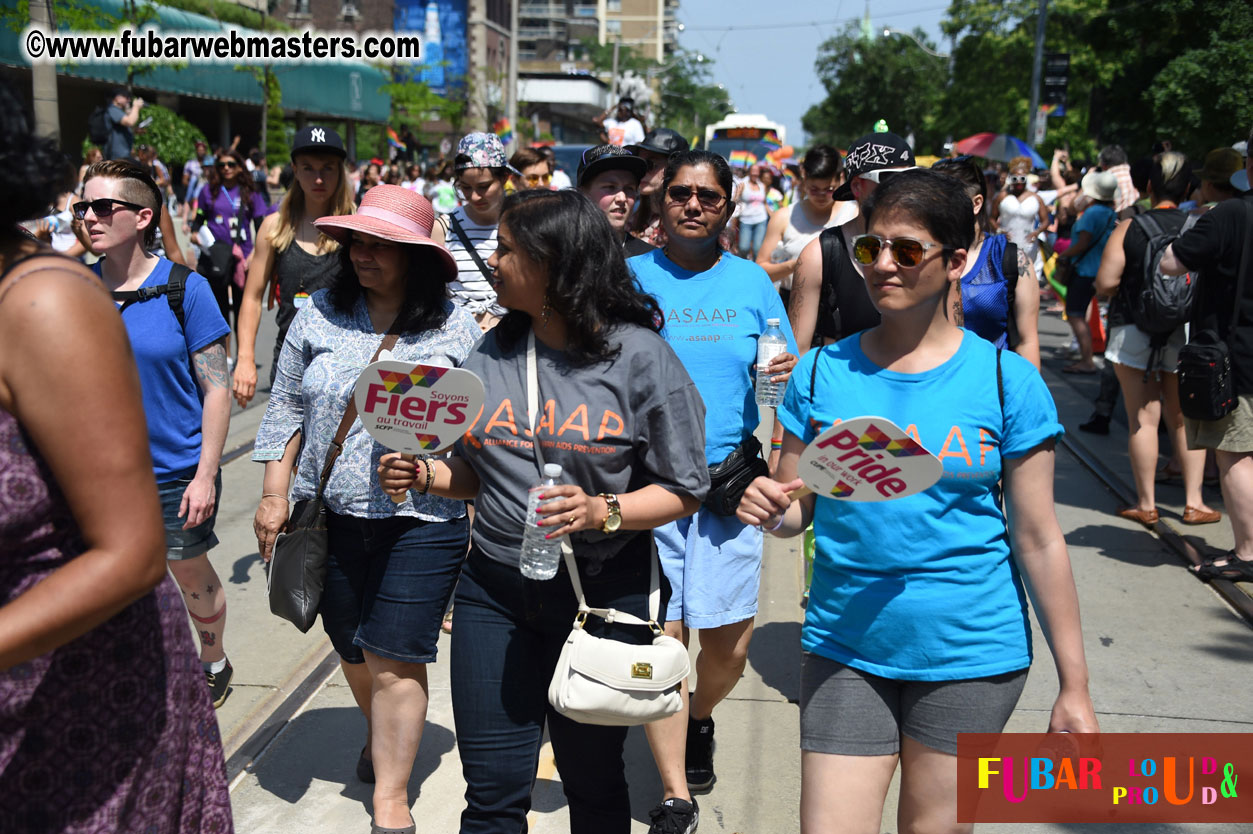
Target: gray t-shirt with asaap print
613, 426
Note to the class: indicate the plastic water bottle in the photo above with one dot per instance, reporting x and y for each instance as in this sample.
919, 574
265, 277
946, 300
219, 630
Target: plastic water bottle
769, 345
540, 556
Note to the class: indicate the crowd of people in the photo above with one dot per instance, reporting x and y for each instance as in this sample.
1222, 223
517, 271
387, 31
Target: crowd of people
615, 313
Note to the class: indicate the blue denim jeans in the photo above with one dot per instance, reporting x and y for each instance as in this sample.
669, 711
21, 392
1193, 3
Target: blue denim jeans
507, 636
751, 236
387, 584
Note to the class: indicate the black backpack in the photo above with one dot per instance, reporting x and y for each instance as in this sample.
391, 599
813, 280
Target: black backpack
173, 292
98, 127
1157, 303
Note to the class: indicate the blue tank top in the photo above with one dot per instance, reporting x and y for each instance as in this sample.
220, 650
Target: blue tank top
985, 294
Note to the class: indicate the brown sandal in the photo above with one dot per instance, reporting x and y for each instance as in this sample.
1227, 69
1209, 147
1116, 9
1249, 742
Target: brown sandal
1195, 515
1146, 517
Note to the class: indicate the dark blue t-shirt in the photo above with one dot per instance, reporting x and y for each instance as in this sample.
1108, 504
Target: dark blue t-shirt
172, 398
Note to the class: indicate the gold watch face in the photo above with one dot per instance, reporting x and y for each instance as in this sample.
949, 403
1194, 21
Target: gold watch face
613, 522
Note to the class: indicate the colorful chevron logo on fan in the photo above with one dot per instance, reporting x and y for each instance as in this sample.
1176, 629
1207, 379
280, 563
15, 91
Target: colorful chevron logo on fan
423, 376
428, 441
842, 490
876, 440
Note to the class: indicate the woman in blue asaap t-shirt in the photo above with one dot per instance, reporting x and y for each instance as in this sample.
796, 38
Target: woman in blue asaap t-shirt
916, 628
715, 307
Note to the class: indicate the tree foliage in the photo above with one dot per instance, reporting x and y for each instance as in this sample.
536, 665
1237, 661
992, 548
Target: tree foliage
689, 99
1140, 70
882, 78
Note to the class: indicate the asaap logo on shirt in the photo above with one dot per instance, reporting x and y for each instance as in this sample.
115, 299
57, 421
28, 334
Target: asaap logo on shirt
708, 320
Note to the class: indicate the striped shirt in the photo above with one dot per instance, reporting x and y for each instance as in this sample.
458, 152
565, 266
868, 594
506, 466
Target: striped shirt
471, 291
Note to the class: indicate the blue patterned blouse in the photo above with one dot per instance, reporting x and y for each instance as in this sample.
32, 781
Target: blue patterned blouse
324, 353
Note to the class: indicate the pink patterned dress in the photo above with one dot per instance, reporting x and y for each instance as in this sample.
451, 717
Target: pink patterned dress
112, 732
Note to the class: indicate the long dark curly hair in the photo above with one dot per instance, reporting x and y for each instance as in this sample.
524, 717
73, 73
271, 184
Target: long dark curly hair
589, 283
426, 304
32, 168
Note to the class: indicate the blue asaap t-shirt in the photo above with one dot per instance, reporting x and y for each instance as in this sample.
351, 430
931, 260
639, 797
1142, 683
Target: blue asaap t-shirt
713, 320
923, 587
172, 398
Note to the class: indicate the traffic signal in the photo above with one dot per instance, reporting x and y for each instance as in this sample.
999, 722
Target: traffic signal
1056, 76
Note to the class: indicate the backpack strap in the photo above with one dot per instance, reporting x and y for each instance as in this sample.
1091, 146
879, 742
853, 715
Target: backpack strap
828, 297
1009, 271
174, 290
469, 247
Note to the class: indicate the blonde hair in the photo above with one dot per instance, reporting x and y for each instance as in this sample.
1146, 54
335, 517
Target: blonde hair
1020, 161
292, 210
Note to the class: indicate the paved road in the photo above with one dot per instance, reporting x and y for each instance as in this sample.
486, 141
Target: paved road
1166, 653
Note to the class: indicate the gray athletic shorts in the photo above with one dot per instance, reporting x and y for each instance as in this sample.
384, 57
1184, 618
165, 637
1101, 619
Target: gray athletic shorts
848, 712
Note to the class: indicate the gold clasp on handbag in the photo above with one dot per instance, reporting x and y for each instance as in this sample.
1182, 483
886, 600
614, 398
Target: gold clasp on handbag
642, 670
656, 629
580, 620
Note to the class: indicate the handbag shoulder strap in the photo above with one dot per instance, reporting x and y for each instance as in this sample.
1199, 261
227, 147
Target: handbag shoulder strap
350, 413
654, 588
469, 247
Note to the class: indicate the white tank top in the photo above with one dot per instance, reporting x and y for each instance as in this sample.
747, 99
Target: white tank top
753, 203
1019, 219
800, 230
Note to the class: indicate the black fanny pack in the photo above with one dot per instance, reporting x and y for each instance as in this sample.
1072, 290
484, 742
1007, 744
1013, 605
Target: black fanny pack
729, 479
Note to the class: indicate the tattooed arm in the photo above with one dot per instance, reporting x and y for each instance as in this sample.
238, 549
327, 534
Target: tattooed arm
802, 309
215, 381
1027, 311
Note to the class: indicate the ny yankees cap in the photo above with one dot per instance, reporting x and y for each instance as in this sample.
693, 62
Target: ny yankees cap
316, 139
874, 152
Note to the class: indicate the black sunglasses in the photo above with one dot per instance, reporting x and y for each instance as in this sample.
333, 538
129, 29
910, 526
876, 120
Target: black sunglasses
707, 197
227, 164
104, 207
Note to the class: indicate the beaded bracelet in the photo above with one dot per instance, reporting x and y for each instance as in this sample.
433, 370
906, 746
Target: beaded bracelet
430, 476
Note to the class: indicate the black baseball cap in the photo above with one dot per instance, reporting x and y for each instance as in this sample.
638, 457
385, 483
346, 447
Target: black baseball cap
596, 161
317, 139
661, 140
874, 152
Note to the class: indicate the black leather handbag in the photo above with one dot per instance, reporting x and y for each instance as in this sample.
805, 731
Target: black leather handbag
729, 479
1207, 388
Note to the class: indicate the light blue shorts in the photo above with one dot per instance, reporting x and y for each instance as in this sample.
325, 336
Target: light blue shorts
713, 563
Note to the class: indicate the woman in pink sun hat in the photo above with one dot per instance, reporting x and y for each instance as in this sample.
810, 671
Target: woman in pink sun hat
392, 567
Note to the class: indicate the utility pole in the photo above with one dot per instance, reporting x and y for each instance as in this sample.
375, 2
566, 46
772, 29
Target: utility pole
511, 102
44, 78
1037, 66
613, 84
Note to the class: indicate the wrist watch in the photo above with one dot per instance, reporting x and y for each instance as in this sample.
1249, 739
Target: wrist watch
613, 521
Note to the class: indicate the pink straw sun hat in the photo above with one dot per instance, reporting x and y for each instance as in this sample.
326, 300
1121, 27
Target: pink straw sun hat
396, 214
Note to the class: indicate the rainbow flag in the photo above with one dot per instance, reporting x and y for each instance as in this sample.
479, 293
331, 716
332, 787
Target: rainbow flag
771, 141
393, 139
743, 158
503, 130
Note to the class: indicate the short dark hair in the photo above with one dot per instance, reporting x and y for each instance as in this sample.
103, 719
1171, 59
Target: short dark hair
589, 283
1111, 156
138, 187
426, 295
937, 201
964, 169
526, 157
1140, 171
822, 162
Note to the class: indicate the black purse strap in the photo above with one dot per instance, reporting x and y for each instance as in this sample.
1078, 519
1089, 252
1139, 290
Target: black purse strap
350, 413
1244, 263
469, 247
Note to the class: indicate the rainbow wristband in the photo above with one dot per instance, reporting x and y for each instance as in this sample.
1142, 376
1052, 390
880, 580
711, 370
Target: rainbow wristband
775, 444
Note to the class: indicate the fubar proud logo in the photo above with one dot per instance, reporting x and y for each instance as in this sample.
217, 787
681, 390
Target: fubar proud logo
1104, 778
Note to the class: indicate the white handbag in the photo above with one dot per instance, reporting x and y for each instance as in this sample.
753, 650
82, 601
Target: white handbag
604, 681
599, 680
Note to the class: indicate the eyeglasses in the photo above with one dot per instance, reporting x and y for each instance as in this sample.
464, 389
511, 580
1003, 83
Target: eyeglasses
708, 198
227, 164
1018, 179
906, 251
104, 207
536, 179
882, 175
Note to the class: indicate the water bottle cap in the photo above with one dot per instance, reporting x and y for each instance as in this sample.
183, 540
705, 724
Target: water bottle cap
772, 322
552, 470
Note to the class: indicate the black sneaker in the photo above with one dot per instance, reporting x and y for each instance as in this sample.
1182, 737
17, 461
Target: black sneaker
674, 816
1097, 424
700, 754
219, 683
